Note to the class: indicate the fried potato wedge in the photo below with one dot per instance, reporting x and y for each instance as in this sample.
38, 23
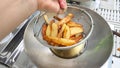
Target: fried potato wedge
54, 31
55, 40
48, 30
70, 24
46, 19
76, 30
57, 18
66, 19
60, 34
60, 41
66, 33
77, 39
73, 24
44, 27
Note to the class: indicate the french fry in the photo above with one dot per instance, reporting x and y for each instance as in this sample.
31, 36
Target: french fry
66, 33
77, 39
52, 21
73, 24
61, 31
76, 30
66, 19
57, 18
54, 31
61, 41
44, 27
48, 31
49, 28
46, 19
70, 24
49, 41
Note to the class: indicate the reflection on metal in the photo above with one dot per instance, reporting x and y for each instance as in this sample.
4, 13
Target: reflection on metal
9, 54
99, 44
112, 16
70, 53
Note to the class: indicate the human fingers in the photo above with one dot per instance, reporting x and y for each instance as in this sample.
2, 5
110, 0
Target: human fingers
49, 5
63, 4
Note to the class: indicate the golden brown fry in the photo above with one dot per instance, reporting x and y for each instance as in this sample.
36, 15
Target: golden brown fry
61, 31
44, 27
46, 19
49, 41
66, 19
66, 33
57, 18
54, 31
48, 30
70, 24
52, 21
76, 30
61, 41
77, 39
73, 24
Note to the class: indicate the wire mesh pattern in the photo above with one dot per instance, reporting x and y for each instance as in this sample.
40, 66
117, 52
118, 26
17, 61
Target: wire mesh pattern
117, 4
116, 53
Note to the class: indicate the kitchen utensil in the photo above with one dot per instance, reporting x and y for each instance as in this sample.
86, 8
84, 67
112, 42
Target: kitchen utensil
98, 47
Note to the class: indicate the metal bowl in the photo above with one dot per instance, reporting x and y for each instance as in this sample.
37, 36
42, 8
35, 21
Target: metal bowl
98, 49
80, 16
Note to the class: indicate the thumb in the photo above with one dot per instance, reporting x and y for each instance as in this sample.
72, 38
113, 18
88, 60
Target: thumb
50, 5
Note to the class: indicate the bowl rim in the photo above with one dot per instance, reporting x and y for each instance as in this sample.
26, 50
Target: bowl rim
78, 43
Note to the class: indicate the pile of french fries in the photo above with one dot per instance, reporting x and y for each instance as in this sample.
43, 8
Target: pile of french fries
62, 32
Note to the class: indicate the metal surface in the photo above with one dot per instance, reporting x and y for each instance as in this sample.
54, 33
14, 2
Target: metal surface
112, 16
80, 16
98, 49
9, 54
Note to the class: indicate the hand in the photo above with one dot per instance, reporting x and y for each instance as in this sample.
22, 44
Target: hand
57, 6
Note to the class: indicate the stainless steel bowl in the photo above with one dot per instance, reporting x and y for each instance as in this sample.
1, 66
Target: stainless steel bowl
81, 16
98, 48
